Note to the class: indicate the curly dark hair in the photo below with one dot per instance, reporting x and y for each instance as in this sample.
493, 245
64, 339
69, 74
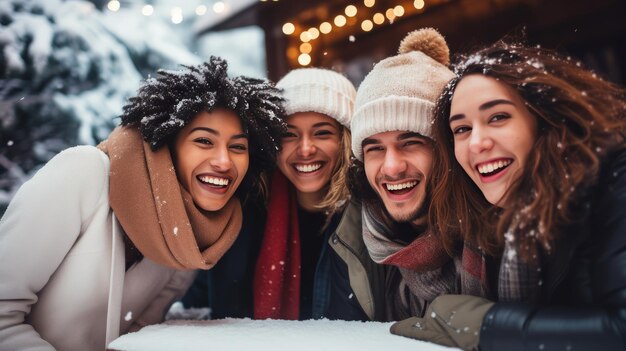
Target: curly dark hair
165, 104
582, 121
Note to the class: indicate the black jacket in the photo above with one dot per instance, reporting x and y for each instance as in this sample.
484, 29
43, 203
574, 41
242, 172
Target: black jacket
348, 285
585, 283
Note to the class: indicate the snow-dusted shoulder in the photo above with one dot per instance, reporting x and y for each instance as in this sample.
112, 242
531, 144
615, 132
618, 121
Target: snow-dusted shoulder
41, 226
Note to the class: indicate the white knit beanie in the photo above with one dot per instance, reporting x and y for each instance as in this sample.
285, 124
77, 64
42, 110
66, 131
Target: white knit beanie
318, 90
401, 91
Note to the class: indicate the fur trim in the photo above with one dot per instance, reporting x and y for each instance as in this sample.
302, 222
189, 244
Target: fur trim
430, 42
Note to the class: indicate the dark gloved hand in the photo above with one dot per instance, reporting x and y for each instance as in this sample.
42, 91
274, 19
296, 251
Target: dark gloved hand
450, 320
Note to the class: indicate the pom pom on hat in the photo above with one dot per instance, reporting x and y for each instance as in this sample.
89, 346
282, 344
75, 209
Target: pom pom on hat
428, 41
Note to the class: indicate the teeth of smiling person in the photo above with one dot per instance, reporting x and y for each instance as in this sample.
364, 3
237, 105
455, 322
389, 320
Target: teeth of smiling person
401, 185
308, 168
490, 167
215, 180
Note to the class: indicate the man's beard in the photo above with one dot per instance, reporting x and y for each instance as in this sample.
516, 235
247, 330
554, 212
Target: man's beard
418, 213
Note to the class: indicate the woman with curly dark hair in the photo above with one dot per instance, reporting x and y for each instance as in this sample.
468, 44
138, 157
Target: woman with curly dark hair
531, 168
132, 218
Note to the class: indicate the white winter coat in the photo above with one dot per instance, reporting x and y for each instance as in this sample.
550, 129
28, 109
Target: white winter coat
63, 283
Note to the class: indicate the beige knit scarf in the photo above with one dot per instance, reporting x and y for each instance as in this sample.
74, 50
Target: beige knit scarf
157, 213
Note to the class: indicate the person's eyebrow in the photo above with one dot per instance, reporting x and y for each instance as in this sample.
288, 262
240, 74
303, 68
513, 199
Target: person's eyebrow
217, 133
323, 124
206, 129
369, 141
239, 136
487, 105
409, 135
492, 103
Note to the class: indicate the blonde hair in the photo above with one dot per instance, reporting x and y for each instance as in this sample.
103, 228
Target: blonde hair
338, 194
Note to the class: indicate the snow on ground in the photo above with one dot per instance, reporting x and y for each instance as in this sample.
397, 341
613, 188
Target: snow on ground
269, 335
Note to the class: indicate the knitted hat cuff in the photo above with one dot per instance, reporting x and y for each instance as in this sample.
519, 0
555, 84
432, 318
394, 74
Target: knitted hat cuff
320, 99
392, 113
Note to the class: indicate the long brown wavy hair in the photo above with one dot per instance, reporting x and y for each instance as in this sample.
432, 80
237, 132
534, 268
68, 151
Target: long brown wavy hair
581, 120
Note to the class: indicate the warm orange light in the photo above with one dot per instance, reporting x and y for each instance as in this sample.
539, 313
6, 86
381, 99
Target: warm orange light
288, 28
293, 53
306, 48
369, 3
304, 59
313, 33
325, 27
340, 21
390, 15
350, 10
367, 25
398, 10
305, 37
379, 18
419, 4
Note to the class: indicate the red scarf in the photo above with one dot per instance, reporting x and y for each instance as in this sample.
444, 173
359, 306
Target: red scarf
277, 276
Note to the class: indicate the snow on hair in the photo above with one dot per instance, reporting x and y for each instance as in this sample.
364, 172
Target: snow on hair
166, 103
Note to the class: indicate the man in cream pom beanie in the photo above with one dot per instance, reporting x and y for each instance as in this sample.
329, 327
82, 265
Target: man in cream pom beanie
391, 139
401, 91
391, 126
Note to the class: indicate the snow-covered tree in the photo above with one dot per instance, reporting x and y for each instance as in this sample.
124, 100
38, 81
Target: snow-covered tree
66, 70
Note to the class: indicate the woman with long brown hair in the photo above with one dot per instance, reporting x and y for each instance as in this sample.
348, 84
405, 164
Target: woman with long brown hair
531, 168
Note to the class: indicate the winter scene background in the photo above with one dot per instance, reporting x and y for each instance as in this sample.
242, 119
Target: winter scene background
67, 68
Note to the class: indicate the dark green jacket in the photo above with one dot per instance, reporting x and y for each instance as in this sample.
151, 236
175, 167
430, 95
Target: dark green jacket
367, 278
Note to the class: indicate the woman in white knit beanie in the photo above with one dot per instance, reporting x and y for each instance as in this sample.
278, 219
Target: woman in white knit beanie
310, 265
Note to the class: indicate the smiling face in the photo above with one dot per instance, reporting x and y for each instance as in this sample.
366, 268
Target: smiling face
493, 132
397, 166
211, 157
311, 150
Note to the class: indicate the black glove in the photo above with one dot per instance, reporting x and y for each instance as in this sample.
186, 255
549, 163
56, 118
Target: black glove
450, 320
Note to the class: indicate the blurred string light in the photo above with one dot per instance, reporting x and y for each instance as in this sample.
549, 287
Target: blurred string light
147, 10
326, 27
350, 16
314, 33
201, 10
350, 10
340, 21
379, 18
113, 5
306, 48
304, 59
219, 7
288, 28
176, 12
177, 15
367, 25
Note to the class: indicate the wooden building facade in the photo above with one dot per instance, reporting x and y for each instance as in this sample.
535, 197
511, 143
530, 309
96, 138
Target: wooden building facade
350, 36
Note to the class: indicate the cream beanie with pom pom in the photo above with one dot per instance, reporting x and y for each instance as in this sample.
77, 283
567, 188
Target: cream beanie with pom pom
401, 91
